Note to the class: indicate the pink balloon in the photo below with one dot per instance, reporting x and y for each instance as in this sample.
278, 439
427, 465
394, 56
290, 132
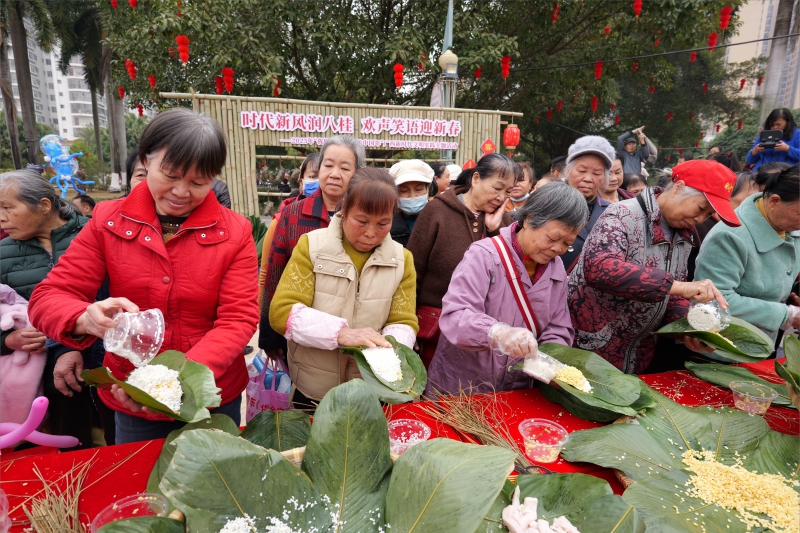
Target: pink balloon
26, 429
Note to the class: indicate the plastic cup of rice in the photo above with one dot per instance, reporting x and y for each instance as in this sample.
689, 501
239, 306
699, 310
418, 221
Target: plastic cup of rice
136, 506
543, 439
752, 397
406, 432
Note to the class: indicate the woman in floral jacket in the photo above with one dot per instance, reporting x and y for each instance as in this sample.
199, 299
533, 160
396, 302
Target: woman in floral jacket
630, 279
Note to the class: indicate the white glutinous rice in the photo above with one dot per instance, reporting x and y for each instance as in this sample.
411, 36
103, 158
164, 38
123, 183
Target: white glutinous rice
160, 382
277, 526
243, 524
704, 318
384, 362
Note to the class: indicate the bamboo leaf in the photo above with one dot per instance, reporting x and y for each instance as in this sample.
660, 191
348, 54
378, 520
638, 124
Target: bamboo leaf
610, 514
740, 342
722, 375
278, 430
145, 524
415, 377
562, 494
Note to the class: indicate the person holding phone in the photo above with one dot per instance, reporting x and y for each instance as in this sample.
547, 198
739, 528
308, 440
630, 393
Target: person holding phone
787, 150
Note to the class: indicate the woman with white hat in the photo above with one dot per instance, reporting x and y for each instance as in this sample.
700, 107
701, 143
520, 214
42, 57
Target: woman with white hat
413, 179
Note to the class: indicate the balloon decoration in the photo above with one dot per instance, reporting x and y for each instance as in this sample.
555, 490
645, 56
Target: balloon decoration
130, 66
712, 41
398, 74
63, 164
478, 72
554, 12
511, 138
692, 57
183, 48
152, 81
637, 8
121, 91
595, 100
505, 66
725, 17
227, 78
140, 109
11, 433
598, 70
218, 84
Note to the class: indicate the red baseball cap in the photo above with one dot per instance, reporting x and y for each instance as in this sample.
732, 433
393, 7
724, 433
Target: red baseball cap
715, 180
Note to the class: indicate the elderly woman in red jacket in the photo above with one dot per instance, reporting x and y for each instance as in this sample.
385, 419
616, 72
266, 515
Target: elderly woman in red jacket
168, 245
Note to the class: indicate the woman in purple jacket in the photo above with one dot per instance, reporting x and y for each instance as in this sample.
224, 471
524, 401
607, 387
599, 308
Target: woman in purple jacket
483, 328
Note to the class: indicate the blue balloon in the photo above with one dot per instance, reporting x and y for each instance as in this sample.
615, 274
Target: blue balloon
63, 164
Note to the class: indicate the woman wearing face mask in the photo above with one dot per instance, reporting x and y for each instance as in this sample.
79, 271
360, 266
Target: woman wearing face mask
346, 285
413, 179
449, 225
522, 189
339, 158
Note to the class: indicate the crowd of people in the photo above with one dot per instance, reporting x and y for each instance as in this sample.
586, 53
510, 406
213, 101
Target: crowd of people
473, 268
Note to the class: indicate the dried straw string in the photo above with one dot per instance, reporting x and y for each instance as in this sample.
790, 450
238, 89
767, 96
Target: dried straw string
57, 512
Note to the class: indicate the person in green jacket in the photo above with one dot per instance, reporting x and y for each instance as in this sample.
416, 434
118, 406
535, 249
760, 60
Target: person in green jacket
40, 226
755, 264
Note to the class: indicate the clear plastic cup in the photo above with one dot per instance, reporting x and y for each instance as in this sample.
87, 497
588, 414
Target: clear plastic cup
752, 397
543, 439
708, 316
136, 506
405, 432
136, 336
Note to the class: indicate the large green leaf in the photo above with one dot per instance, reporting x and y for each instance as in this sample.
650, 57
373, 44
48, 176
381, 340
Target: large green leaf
415, 377
279, 430
613, 392
666, 508
740, 342
444, 485
610, 514
777, 453
347, 456
493, 521
790, 371
217, 421
144, 524
197, 384
562, 494
215, 477
722, 375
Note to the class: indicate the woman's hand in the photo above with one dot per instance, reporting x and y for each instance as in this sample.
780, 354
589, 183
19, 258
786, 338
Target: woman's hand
129, 403
99, 316
516, 342
757, 149
67, 373
493, 220
27, 340
782, 147
362, 337
702, 291
696, 345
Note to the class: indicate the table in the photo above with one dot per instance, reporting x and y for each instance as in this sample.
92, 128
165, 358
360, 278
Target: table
123, 470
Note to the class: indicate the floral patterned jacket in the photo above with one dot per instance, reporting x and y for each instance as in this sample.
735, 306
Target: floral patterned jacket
618, 290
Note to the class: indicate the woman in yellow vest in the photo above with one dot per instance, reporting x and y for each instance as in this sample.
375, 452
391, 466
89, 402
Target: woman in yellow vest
345, 285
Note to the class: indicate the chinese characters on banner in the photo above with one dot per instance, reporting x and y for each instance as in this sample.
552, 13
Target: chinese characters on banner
310, 123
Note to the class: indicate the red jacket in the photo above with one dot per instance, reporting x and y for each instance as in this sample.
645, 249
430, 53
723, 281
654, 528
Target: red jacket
204, 281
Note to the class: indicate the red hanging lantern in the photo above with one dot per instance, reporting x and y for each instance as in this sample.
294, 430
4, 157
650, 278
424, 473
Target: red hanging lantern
607, 30
227, 78
692, 57
421, 65
705, 89
739, 125
718, 127
121, 91
554, 12
637, 8
218, 83
549, 114
652, 89
741, 83
171, 51
595, 100
598, 70
398, 74
702, 134
536, 119
691, 116
680, 151
697, 144
276, 92
152, 81
130, 66
669, 116
114, 4
616, 120
760, 81
712, 41
180, 5
511, 138
657, 41
133, 4
183, 48
613, 106
560, 106
505, 66
725, 17
478, 73
635, 66
140, 109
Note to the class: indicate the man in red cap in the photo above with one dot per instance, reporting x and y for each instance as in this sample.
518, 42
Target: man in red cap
630, 279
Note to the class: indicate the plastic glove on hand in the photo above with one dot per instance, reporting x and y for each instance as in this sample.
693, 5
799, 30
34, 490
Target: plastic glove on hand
516, 342
542, 367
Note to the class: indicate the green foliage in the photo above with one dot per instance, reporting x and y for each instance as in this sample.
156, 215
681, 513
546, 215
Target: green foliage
144, 524
740, 342
86, 134
134, 126
5, 144
278, 430
790, 370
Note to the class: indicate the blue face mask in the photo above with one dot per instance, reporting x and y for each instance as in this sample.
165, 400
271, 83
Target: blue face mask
310, 187
412, 206
521, 198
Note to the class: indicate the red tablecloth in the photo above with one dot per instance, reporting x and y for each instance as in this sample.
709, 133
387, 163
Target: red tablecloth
123, 470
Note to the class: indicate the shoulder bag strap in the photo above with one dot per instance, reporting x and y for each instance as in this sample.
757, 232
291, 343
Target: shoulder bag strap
516, 287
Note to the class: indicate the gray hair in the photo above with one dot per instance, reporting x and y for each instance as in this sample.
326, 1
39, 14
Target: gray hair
554, 201
687, 192
571, 165
31, 188
351, 143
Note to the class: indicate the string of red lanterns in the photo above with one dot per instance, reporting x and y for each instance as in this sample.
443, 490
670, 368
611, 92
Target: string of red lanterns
420, 65
478, 72
183, 48
712, 41
637, 8
121, 91
130, 66
276, 92
554, 12
725, 17
152, 81
598, 70
227, 78
218, 84
741, 83
133, 4
505, 66
595, 101
398, 74
140, 109
114, 4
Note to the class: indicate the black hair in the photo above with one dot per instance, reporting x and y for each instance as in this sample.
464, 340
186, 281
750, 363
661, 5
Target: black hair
766, 171
311, 159
743, 181
189, 139
85, 199
729, 160
130, 164
786, 115
714, 146
433, 188
557, 164
527, 170
629, 180
785, 184
488, 166
438, 169
687, 157
372, 190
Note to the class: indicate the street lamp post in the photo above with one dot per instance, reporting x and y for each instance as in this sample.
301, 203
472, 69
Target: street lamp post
448, 79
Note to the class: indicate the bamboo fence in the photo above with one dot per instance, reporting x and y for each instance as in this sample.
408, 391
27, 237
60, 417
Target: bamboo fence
239, 172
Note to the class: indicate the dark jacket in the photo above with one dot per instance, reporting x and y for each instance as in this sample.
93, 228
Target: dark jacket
25, 263
444, 231
570, 257
221, 192
631, 163
284, 187
400, 231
